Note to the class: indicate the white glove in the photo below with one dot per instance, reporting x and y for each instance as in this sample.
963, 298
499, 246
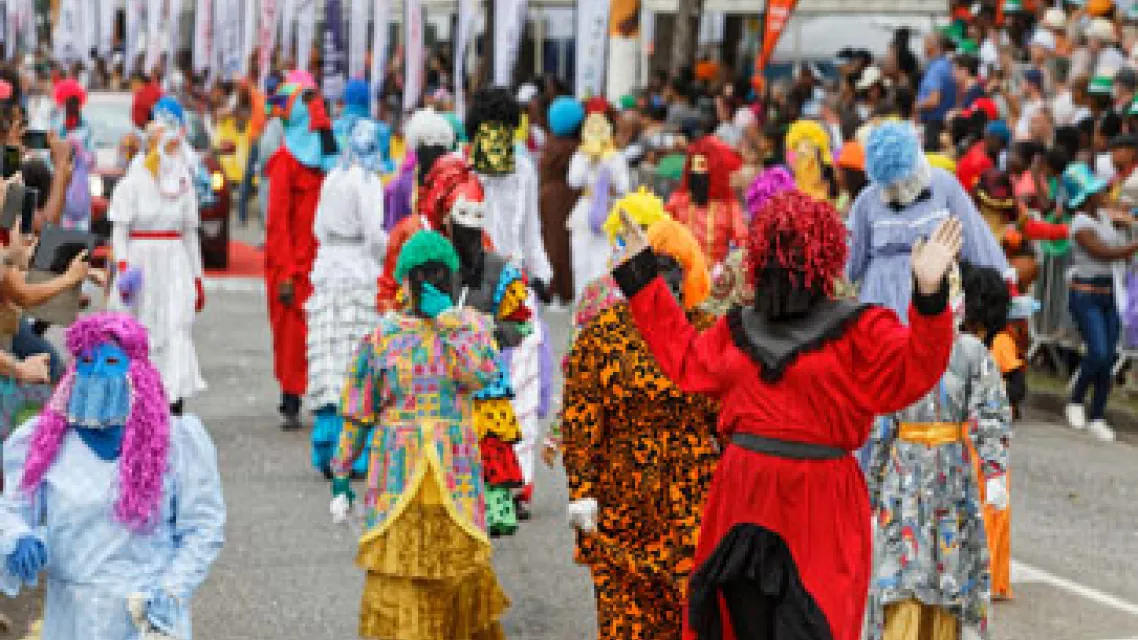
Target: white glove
997, 492
583, 515
340, 507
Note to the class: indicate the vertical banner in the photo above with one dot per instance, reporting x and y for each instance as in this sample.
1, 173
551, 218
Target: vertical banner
133, 30
357, 38
332, 62
413, 56
467, 16
106, 27
288, 28
305, 32
592, 38
250, 15
204, 34
65, 35
173, 34
509, 23
154, 42
381, 16
228, 34
266, 39
777, 16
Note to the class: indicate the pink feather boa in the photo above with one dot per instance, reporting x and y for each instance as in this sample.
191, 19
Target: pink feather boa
146, 436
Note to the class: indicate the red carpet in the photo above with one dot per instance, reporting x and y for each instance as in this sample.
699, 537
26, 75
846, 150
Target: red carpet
245, 261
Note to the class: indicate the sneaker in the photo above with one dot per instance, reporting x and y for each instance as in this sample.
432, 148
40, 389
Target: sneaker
1076, 416
1100, 430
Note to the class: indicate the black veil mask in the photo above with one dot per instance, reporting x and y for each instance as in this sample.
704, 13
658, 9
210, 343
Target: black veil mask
427, 154
468, 244
436, 273
699, 185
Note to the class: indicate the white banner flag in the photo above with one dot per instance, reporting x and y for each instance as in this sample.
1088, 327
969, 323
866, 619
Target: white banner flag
592, 38
510, 22
106, 27
288, 28
173, 33
203, 35
305, 32
357, 38
413, 55
31, 29
228, 39
133, 30
467, 17
66, 34
249, 32
381, 17
154, 41
266, 40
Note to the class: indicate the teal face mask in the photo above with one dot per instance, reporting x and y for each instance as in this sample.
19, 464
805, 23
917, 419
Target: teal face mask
101, 393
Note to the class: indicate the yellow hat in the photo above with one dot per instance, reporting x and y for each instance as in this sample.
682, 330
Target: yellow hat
642, 206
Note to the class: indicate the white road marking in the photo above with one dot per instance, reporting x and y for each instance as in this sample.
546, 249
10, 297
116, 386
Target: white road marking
1022, 572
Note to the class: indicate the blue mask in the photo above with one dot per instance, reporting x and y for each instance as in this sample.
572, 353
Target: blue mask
100, 397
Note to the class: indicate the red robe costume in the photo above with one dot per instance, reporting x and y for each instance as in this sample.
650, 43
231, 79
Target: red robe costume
719, 224
797, 530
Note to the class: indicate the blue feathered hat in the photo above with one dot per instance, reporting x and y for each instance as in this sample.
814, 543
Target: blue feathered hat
357, 93
892, 153
565, 116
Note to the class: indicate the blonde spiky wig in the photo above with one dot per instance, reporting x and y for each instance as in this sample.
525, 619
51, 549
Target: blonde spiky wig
643, 206
811, 133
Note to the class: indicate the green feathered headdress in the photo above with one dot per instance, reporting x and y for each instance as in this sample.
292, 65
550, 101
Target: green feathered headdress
424, 247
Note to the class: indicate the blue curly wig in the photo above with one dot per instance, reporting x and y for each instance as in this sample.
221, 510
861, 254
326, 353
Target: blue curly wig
357, 93
892, 153
565, 116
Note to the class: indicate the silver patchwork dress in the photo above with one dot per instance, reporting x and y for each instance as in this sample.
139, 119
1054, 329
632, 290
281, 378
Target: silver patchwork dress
930, 544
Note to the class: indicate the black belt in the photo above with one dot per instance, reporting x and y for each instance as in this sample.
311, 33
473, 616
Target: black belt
787, 448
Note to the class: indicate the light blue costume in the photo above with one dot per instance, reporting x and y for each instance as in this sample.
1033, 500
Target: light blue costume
67, 526
357, 107
882, 234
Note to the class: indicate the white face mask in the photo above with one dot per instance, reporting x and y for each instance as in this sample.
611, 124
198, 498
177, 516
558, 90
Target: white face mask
173, 170
468, 214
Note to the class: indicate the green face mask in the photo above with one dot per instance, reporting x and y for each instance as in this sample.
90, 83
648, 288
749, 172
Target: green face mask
492, 151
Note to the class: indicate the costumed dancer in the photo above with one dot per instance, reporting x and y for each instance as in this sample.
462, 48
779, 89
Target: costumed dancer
785, 537
557, 198
808, 153
930, 570
72, 126
639, 453
906, 200
987, 302
493, 286
599, 170
295, 172
117, 502
425, 549
431, 137
357, 108
705, 202
157, 248
341, 311
512, 212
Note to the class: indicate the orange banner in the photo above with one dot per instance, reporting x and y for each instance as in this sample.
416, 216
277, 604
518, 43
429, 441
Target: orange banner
777, 16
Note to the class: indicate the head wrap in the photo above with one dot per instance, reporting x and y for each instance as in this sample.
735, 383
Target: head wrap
424, 247
722, 161
305, 122
450, 178
803, 235
427, 128
670, 238
357, 98
643, 206
146, 434
565, 116
768, 184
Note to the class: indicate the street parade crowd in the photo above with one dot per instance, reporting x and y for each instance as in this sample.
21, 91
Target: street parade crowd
802, 312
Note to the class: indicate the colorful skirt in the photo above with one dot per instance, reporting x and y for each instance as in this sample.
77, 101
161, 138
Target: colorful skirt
429, 575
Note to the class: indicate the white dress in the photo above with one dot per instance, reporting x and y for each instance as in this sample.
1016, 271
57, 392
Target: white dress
591, 249
349, 261
170, 265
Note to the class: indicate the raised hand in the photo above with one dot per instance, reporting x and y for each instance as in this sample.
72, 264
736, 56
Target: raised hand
933, 258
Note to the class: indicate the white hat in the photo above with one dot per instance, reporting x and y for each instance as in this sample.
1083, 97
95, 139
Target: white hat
1043, 38
426, 127
869, 77
526, 92
1101, 29
1055, 18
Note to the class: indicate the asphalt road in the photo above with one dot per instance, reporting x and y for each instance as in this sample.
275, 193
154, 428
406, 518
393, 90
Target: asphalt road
287, 573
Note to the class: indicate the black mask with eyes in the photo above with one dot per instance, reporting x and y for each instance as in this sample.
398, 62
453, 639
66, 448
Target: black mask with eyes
468, 244
427, 154
433, 272
673, 274
699, 184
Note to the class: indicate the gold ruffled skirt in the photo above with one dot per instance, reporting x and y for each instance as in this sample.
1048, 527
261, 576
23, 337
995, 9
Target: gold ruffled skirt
428, 578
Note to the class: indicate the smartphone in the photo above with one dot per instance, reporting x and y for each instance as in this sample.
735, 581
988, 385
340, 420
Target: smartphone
28, 214
35, 140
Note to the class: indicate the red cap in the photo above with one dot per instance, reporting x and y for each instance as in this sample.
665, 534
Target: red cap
987, 106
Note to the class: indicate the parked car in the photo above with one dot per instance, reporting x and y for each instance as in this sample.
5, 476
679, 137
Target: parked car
109, 118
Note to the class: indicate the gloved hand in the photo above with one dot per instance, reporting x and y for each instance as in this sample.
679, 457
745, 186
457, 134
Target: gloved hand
342, 499
27, 559
996, 492
432, 302
583, 515
199, 301
162, 611
129, 283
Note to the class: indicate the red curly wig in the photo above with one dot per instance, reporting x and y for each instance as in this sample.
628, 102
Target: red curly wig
804, 236
450, 177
